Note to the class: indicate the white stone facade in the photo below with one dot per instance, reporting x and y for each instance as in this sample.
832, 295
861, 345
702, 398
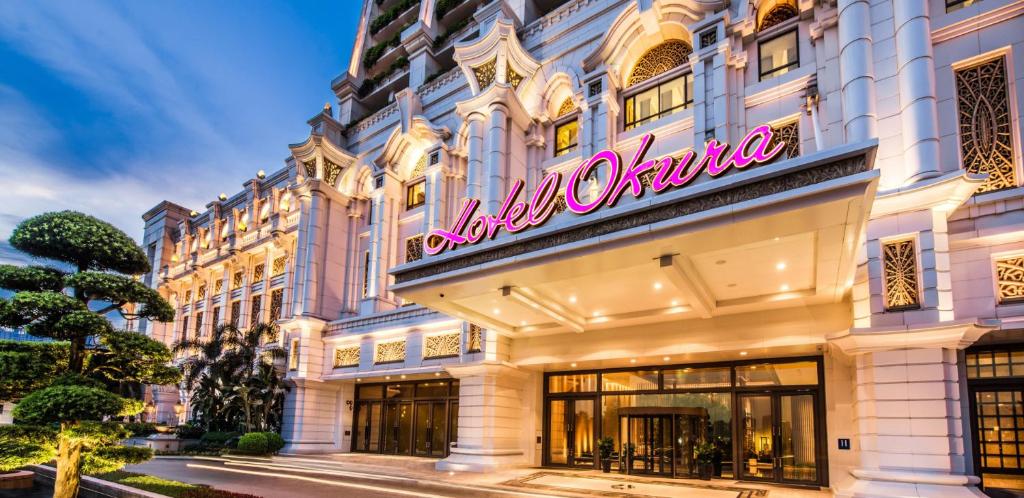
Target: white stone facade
885, 273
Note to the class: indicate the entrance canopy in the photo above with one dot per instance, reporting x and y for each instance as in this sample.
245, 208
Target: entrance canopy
773, 236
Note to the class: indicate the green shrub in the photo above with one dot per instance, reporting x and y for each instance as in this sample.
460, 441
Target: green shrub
274, 442
253, 443
141, 429
214, 493
217, 438
189, 431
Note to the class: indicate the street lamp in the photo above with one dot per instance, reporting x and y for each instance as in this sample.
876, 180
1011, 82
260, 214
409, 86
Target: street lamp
150, 411
179, 409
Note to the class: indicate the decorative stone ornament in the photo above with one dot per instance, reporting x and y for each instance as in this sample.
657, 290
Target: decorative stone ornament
496, 58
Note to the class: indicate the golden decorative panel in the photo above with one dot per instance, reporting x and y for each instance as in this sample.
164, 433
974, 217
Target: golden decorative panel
278, 266
215, 318
218, 285
476, 340
1010, 279
346, 357
389, 352
777, 15
899, 273
420, 168
512, 77
788, 134
188, 296
366, 273
414, 248
485, 73
257, 272
567, 107
236, 313
254, 309
310, 167
986, 133
440, 346
276, 303
293, 355
199, 324
331, 172
237, 279
662, 58
202, 293
560, 204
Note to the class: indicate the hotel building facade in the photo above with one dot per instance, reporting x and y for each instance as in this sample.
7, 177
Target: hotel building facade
846, 315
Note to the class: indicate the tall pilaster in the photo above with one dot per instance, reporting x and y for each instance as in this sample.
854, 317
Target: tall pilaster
916, 77
497, 157
475, 156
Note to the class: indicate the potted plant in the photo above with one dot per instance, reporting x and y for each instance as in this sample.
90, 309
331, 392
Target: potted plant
605, 446
751, 460
704, 455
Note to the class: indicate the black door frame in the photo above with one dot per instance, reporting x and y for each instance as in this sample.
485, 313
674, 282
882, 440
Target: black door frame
358, 438
570, 431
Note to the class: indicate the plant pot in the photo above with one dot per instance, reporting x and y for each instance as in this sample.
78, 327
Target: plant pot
704, 470
606, 465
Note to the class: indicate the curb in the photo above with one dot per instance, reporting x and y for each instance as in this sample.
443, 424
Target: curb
92, 487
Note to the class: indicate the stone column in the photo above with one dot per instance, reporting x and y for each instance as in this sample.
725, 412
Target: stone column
435, 204
703, 110
907, 429
309, 249
720, 94
856, 69
497, 160
475, 153
311, 422
916, 77
496, 421
382, 244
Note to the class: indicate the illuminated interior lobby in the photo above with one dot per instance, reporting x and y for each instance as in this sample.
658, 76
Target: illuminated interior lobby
835, 300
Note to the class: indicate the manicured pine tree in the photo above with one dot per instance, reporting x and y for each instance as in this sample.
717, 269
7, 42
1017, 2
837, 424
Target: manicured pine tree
72, 394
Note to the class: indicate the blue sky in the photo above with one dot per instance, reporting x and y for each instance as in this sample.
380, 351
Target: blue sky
110, 107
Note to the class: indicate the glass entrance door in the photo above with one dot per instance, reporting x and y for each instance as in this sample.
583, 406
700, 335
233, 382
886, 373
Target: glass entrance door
571, 432
398, 427
779, 432
430, 426
650, 446
368, 427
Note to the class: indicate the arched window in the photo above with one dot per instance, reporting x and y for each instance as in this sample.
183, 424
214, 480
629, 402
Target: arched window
776, 15
662, 58
567, 130
415, 187
647, 100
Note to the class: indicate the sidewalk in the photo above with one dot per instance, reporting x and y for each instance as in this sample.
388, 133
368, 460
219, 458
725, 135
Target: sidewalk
418, 477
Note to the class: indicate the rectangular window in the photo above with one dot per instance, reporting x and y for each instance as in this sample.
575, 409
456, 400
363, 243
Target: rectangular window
954, 5
899, 272
184, 328
1010, 279
370, 392
279, 266
293, 355
566, 137
276, 302
366, 273
995, 364
801, 373
572, 383
659, 101
414, 248
1000, 429
237, 279
199, 324
216, 317
698, 378
254, 310
778, 55
986, 129
236, 312
636, 380
257, 273
415, 194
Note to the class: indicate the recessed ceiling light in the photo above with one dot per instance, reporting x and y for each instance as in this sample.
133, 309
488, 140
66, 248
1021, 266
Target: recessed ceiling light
597, 314
666, 358
784, 287
675, 302
657, 285
781, 265
743, 353
573, 365
437, 374
359, 380
572, 299
776, 239
403, 376
497, 311
632, 360
522, 323
387, 377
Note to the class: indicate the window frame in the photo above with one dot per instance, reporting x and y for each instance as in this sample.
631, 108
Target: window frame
632, 92
409, 186
787, 28
565, 120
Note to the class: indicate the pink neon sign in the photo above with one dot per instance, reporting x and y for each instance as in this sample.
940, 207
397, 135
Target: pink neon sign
515, 216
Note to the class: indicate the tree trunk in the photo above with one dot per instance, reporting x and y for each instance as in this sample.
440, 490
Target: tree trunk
69, 468
77, 354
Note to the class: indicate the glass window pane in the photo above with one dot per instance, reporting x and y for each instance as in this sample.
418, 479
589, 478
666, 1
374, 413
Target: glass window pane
399, 391
638, 380
573, 383
566, 137
645, 105
689, 89
779, 374
672, 94
697, 378
415, 195
437, 389
776, 54
369, 392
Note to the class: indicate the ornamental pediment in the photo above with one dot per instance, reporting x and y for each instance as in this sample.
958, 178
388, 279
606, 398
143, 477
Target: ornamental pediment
496, 58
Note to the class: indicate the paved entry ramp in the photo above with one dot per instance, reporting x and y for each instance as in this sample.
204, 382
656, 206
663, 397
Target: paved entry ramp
613, 486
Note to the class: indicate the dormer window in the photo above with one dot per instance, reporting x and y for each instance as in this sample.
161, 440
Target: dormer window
415, 194
657, 85
567, 128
